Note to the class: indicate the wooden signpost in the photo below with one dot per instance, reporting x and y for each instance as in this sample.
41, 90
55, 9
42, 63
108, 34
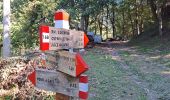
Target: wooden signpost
64, 61
50, 80
52, 38
62, 70
71, 63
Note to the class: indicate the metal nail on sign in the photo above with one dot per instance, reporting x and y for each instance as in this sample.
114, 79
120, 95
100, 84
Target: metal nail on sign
52, 38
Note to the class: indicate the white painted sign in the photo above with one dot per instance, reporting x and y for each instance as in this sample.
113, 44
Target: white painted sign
45, 37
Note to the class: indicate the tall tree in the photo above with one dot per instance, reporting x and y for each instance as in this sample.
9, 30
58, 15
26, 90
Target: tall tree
157, 7
6, 28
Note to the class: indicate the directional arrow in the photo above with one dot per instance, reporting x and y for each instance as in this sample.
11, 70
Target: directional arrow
50, 80
71, 63
56, 38
64, 61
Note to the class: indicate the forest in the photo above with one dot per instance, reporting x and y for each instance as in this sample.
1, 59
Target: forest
109, 18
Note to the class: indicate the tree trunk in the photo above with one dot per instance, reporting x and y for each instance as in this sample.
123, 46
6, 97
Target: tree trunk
82, 23
86, 22
95, 26
113, 22
141, 17
123, 26
159, 16
153, 9
137, 28
107, 23
100, 25
132, 24
6, 28
156, 8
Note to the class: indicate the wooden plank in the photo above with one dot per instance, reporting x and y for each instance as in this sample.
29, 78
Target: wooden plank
71, 63
52, 38
64, 61
67, 62
60, 39
50, 80
78, 38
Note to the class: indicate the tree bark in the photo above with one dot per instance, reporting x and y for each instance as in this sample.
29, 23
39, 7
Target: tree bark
100, 25
112, 19
86, 22
159, 16
137, 28
132, 24
82, 23
156, 7
6, 28
123, 26
153, 9
107, 23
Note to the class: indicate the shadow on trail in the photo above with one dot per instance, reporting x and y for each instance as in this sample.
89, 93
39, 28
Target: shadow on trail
113, 44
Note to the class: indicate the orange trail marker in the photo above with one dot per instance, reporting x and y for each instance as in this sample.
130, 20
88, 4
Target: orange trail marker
86, 40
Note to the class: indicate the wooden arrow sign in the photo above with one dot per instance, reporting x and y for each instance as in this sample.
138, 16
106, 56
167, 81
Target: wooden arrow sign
50, 80
71, 63
64, 61
58, 38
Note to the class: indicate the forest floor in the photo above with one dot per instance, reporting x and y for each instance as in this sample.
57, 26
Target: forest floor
119, 71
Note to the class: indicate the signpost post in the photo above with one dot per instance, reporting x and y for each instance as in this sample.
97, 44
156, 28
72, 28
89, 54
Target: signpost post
66, 68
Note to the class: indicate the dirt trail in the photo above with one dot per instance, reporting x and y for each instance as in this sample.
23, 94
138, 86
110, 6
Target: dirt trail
141, 70
146, 66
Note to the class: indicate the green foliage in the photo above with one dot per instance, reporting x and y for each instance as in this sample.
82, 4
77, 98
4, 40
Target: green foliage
108, 18
26, 18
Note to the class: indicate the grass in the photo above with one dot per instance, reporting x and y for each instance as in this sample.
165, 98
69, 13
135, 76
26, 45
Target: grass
108, 80
6, 98
136, 77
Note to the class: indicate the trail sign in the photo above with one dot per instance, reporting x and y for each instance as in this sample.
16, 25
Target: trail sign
50, 80
71, 63
54, 38
64, 61
62, 73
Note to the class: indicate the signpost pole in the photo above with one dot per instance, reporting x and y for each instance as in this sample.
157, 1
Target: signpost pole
59, 96
62, 21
